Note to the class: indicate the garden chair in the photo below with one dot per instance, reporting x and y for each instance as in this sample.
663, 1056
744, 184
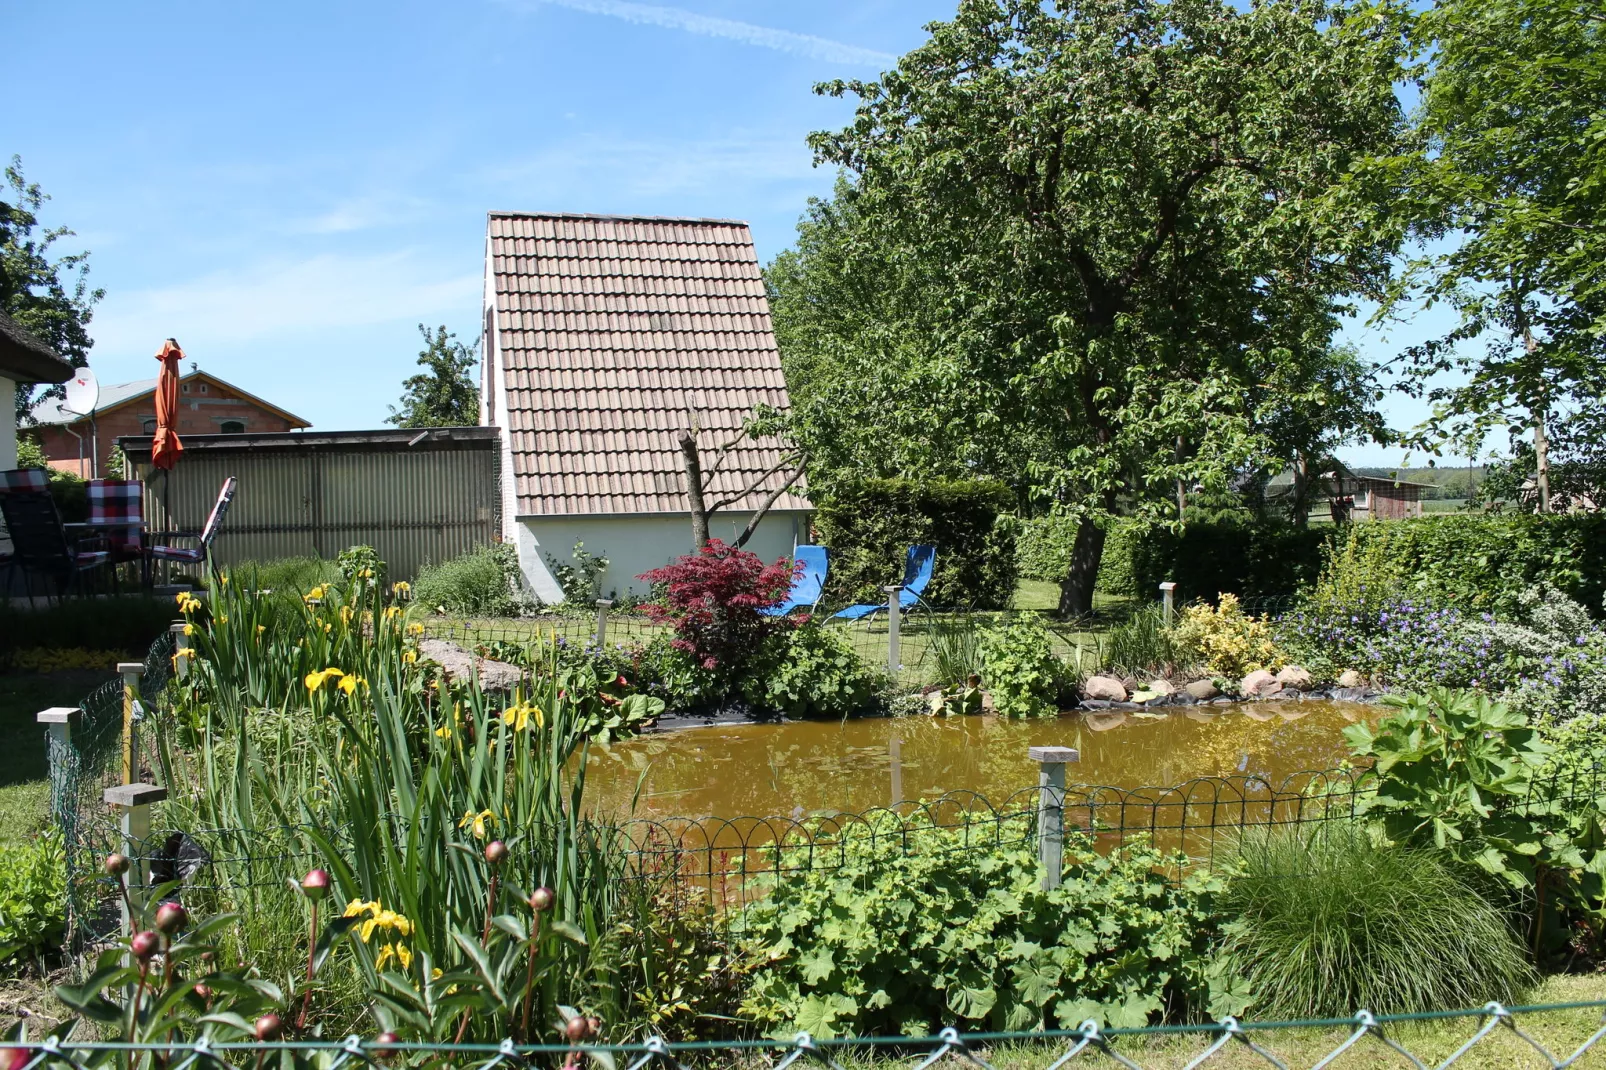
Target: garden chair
117, 511
24, 479
200, 553
39, 542
806, 584
916, 576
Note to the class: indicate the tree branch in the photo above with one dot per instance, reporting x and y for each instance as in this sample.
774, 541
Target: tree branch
770, 500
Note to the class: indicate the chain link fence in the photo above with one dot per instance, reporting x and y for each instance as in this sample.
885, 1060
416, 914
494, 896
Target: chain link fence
1553, 1036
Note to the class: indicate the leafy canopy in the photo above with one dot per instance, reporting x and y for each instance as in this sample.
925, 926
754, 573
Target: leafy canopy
1089, 247
444, 395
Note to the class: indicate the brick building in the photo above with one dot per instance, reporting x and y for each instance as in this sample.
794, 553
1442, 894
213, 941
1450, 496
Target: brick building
207, 406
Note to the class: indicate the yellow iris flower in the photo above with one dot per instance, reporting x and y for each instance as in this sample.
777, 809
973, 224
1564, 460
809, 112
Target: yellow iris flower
349, 684
479, 821
398, 953
315, 680
519, 717
409, 657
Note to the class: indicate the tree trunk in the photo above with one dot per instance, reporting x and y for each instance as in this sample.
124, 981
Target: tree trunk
1541, 443
694, 489
1301, 506
1076, 589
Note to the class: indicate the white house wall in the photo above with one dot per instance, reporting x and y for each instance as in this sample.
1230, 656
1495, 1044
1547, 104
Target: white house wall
637, 544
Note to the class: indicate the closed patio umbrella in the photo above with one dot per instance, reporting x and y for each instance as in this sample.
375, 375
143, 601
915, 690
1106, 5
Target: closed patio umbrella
166, 447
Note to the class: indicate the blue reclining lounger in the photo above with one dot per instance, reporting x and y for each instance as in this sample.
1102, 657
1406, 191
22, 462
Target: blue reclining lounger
916, 574
806, 585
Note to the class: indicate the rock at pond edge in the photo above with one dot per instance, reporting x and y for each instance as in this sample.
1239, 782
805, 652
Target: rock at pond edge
1106, 688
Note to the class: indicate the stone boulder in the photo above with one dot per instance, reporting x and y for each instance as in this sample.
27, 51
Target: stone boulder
1259, 684
1295, 676
1350, 678
1202, 690
1107, 688
461, 665
1160, 687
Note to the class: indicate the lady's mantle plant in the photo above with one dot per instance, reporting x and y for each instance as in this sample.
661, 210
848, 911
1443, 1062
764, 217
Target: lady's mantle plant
944, 928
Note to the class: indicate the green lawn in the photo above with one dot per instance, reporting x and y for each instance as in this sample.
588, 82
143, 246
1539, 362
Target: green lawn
24, 792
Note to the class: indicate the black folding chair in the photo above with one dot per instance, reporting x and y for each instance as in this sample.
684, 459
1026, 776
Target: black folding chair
39, 543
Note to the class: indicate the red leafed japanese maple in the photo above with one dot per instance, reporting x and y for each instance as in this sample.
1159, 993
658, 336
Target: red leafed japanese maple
713, 598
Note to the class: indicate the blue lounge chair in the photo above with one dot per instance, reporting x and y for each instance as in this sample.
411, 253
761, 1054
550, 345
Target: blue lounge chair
916, 575
806, 585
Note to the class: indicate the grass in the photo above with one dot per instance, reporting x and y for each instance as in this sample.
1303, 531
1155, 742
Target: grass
1332, 922
24, 791
1560, 1031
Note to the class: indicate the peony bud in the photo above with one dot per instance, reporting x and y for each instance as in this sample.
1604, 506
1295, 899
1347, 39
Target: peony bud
204, 990
315, 884
116, 865
387, 1038
15, 1058
144, 944
269, 1027
577, 1029
542, 899
495, 852
170, 918
594, 1026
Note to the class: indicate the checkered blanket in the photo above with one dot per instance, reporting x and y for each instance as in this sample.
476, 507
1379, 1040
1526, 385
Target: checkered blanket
112, 500
24, 479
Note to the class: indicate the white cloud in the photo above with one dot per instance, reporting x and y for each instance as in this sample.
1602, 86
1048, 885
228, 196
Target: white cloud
674, 18
363, 213
281, 298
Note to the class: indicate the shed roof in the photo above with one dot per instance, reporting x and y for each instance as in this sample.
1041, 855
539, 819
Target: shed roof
614, 333
25, 358
55, 411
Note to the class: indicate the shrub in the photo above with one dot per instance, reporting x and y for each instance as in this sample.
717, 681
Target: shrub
869, 526
1019, 668
123, 624
712, 599
1484, 563
33, 897
580, 579
914, 928
1251, 560
361, 562
485, 582
809, 672
1226, 640
1328, 921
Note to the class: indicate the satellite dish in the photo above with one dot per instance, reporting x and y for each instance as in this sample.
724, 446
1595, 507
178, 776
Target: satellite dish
83, 392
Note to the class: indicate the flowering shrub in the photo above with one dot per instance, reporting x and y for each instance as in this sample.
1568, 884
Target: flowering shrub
1226, 640
712, 599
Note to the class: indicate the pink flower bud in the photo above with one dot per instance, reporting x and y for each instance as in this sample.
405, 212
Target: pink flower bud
170, 918
144, 944
315, 884
116, 865
269, 1027
542, 899
495, 852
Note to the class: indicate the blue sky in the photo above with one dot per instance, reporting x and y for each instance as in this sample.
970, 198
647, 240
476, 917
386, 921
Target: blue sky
289, 188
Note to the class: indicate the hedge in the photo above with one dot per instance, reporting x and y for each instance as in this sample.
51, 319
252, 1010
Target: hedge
869, 525
1043, 551
1477, 561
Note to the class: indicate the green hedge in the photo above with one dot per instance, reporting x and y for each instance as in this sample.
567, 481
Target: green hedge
1485, 562
869, 526
1268, 560
1480, 562
1043, 551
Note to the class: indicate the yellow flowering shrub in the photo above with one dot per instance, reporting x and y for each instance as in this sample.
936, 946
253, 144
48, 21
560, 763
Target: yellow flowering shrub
1226, 640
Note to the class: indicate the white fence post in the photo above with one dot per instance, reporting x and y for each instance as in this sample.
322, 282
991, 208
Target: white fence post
134, 800
603, 605
894, 658
1166, 595
181, 663
1051, 762
131, 671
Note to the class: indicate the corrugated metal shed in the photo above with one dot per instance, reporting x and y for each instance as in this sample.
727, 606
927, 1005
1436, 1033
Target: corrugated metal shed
415, 496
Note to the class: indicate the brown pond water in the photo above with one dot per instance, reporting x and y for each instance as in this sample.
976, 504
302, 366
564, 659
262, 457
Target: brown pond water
810, 767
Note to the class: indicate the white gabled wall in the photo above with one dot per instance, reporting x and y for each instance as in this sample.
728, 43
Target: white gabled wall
8, 425
635, 544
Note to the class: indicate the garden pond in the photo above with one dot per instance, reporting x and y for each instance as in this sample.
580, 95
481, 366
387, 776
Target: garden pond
805, 767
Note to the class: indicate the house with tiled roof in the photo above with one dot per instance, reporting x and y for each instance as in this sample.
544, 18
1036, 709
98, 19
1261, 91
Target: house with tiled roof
606, 337
24, 359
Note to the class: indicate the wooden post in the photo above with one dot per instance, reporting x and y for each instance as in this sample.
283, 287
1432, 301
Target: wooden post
130, 671
1166, 596
181, 663
894, 658
603, 605
1051, 762
134, 800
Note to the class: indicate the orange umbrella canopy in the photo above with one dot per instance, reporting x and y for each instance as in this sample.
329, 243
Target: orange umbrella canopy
166, 447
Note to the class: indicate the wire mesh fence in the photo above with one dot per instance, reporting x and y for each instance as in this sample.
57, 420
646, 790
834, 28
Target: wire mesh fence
1553, 1036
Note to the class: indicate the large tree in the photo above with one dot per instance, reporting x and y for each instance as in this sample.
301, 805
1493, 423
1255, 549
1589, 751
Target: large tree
48, 296
444, 394
1085, 237
1507, 189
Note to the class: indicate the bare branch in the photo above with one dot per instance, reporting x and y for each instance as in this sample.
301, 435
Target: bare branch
770, 500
